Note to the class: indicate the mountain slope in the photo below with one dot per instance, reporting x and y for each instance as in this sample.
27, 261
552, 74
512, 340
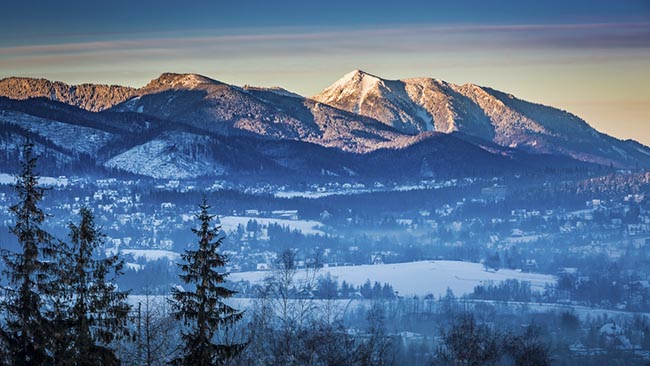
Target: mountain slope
216, 107
225, 109
424, 104
75, 141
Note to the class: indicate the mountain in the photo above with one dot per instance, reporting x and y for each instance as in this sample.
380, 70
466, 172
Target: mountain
425, 104
225, 109
75, 141
188, 125
221, 108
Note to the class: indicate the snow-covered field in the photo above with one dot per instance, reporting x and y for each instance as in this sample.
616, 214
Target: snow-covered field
308, 227
421, 278
151, 254
309, 194
7, 178
518, 308
46, 181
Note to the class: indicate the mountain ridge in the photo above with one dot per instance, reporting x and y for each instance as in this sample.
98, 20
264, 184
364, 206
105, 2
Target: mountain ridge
358, 113
423, 104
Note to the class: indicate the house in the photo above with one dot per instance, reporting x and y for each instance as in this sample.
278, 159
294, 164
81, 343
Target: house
263, 267
325, 215
641, 286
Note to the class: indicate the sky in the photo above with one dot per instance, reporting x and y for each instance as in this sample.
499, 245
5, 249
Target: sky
590, 57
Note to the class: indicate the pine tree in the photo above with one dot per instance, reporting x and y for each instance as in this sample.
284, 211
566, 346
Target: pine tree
31, 274
202, 309
97, 313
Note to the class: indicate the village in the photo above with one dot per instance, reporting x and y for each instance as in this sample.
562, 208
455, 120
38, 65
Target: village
149, 225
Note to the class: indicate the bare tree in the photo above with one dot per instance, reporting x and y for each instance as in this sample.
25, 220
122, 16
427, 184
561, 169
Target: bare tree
528, 348
377, 349
289, 327
468, 343
155, 333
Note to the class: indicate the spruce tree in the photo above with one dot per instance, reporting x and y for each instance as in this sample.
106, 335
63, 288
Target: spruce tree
201, 308
30, 273
97, 312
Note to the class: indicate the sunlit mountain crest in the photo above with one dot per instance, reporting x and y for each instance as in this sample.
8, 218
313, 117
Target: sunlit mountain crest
358, 113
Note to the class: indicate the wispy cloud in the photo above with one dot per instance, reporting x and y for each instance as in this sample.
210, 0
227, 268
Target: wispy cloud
400, 38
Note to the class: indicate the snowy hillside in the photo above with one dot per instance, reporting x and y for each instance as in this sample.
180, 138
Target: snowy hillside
177, 156
62, 134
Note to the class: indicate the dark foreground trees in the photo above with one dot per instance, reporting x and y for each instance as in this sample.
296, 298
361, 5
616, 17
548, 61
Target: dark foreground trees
59, 306
528, 348
202, 309
96, 311
31, 275
467, 342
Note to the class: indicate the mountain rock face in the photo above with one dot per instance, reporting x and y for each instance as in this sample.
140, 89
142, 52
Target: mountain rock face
424, 104
359, 114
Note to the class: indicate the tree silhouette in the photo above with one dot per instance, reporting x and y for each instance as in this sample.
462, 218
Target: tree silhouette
97, 313
202, 309
31, 273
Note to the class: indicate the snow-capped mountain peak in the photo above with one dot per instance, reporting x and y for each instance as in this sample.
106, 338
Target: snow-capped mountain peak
356, 85
424, 104
388, 101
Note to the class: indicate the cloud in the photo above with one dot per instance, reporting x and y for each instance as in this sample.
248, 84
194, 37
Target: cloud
399, 38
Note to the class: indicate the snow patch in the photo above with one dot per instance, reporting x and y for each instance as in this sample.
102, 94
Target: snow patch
422, 114
421, 278
167, 158
151, 254
307, 227
6, 179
